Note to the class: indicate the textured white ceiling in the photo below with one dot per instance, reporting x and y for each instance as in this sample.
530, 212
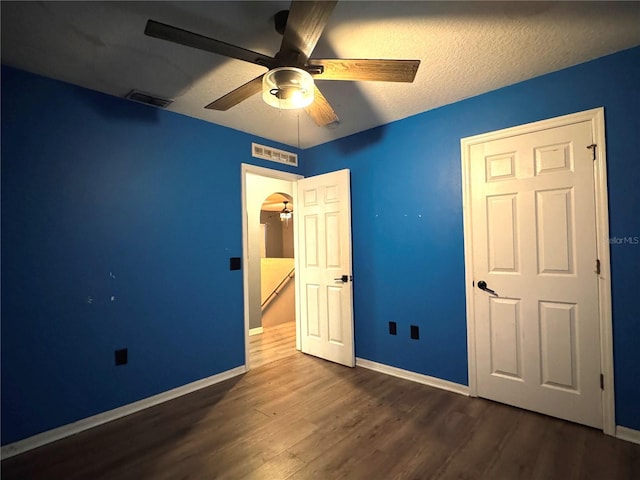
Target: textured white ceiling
466, 48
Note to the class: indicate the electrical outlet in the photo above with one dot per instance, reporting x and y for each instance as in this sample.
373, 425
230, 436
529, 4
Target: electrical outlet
415, 332
393, 328
121, 356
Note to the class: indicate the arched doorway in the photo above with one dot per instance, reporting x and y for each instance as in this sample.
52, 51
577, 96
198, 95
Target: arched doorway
258, 184
275, 338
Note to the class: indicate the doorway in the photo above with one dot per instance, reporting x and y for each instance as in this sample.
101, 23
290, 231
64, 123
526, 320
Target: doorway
537, 268
276, 337
262, 190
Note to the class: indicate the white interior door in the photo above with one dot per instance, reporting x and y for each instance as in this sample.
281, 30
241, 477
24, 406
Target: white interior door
537, 339
323, 215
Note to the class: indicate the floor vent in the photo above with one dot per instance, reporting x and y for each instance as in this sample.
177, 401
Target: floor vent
141, 97
273, 154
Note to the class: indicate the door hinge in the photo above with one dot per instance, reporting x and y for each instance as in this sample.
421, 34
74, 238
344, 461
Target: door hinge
601, 381
592, 147
597, 269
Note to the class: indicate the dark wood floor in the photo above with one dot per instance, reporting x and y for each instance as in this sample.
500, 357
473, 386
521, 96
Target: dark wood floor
303, 418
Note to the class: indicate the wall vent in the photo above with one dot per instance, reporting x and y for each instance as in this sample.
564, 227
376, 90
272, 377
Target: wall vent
273, 154
141, 97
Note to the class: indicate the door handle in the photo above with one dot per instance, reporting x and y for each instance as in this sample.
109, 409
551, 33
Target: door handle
344, 278
482, 285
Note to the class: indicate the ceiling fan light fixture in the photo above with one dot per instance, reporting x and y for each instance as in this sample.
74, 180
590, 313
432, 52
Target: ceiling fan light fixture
287, 88
285, 213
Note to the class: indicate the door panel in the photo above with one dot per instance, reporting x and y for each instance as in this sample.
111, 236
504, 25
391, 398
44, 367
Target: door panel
554, 223
326, 302
506, 348
558, 345
312, 297
537, 341
502, 232
310, 244
334, 315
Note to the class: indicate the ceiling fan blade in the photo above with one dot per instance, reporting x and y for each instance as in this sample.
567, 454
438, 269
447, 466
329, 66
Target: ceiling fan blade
320, 110
305, 24
238, 95
190, 39
366, 69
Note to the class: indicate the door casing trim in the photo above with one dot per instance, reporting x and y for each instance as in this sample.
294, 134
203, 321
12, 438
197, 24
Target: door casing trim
596, 117
279, 175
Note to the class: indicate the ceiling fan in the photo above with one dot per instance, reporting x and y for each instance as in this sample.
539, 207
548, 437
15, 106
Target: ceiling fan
289, 80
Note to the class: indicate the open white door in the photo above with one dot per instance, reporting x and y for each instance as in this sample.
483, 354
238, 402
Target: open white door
323, 268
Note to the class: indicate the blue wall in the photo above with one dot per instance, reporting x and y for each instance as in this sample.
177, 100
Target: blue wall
407, 217
103, 197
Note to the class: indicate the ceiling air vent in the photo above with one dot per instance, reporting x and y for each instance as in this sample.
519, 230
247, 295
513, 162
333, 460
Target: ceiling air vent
273, 154
141, 97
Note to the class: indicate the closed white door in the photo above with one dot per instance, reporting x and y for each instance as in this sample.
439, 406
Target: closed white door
534, 246
323, 214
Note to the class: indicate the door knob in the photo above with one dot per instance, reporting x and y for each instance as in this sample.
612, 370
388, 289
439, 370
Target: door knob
343, 278
482, 285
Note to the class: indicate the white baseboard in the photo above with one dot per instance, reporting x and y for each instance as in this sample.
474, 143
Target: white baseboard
628, 434
256, 331
49, 436
413, 376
